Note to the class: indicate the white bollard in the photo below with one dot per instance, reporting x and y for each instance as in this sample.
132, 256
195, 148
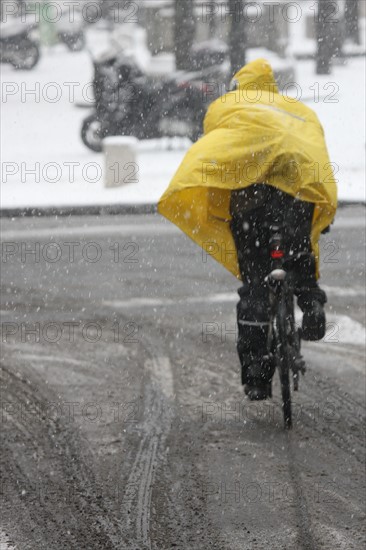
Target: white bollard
120, 161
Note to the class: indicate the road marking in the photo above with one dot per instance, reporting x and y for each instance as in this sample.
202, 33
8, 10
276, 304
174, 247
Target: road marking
131, 229
343, 291
80, 230
221, 297
349, 223
156, 302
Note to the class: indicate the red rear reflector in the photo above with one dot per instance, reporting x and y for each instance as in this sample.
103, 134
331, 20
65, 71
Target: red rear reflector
275, 254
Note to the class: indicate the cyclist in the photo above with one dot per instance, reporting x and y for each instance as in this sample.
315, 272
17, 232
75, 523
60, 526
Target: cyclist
262, 161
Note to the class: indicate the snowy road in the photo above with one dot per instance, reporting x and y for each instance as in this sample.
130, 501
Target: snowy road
123, 421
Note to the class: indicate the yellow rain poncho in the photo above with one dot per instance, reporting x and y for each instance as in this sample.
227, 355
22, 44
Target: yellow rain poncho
251, 135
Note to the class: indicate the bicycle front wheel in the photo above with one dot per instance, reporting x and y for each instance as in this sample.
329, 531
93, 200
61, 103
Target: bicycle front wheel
284, 362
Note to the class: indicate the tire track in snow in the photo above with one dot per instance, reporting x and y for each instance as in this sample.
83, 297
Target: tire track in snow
159, 395
306, 541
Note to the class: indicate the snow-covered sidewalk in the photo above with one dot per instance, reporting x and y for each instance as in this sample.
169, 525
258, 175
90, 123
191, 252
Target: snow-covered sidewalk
45, 164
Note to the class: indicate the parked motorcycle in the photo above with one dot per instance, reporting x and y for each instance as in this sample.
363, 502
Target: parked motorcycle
130, 102
19, 45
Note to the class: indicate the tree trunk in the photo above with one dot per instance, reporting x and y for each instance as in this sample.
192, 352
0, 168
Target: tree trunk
184, 32
212, 26
237, 36
326, 34
352, 21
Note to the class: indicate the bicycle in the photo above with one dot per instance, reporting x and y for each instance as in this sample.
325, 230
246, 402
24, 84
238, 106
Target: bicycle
284, 338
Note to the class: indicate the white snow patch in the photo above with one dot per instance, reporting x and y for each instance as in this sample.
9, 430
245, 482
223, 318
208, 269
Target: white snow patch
162, 375
344, 330
5, 543
339, 539
340, 329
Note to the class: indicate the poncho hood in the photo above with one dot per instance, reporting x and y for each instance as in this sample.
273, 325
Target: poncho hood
257, 75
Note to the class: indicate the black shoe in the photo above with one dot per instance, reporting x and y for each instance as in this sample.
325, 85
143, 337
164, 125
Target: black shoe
313, 322
258, 392
257, 373
257, 370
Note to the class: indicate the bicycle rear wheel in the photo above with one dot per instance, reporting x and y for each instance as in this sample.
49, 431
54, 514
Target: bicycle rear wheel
284, 362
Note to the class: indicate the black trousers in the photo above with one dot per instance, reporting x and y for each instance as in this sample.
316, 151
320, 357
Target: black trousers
253, 210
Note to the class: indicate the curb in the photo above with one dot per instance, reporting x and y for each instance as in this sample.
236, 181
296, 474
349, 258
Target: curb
105, 210
101, 210
312, 56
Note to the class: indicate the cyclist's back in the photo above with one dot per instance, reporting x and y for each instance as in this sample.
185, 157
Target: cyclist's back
251, 135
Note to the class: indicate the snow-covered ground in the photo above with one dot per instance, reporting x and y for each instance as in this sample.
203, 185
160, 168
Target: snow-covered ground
45, 164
